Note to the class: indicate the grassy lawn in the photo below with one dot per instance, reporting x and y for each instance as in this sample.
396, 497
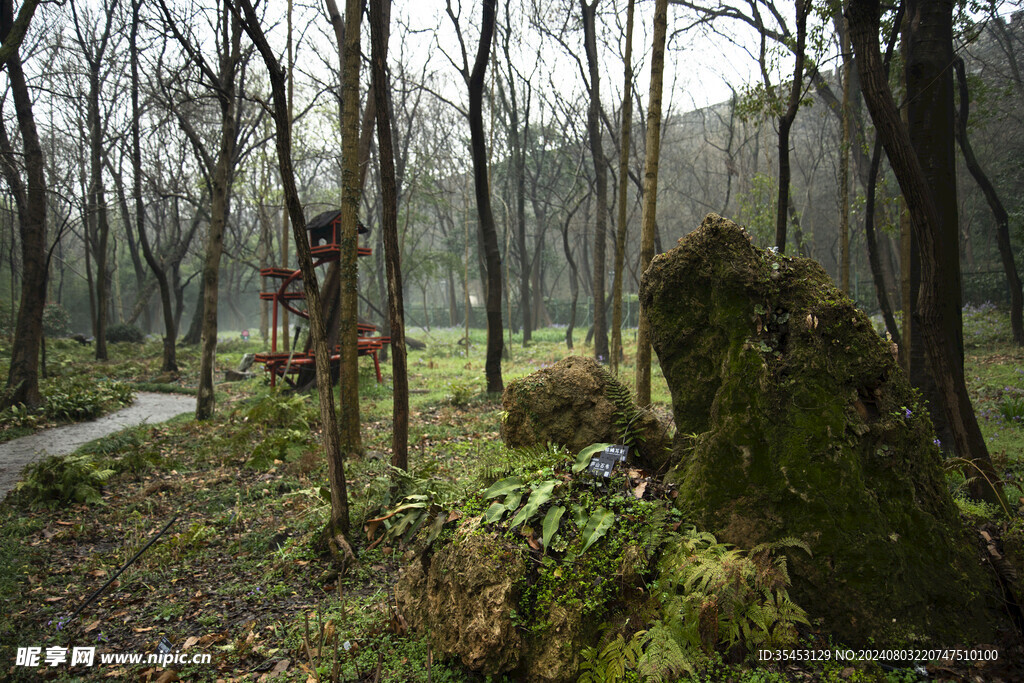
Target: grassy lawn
235, 577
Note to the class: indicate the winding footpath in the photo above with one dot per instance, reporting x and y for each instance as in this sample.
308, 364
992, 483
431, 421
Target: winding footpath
148, 408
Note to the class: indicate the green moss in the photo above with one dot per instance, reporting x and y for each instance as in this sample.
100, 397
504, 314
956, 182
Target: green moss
803, 425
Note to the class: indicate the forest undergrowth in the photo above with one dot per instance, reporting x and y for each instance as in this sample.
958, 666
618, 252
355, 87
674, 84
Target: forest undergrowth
234, 576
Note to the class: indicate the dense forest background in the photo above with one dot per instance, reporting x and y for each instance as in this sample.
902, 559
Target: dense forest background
721, 157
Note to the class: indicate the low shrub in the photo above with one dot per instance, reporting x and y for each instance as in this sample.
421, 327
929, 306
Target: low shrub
84, 399
63, 479
56, 321
125, 333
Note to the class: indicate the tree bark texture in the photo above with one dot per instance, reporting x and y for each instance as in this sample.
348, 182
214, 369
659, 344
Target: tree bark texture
487, 231
379, 29
351, 191
620, 233
653, 145
338, 526
870, 205
30, 198
786, 124
601, 178
928, 61
942, 351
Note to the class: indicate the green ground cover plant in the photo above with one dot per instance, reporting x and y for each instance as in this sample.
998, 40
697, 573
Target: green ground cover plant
235, 575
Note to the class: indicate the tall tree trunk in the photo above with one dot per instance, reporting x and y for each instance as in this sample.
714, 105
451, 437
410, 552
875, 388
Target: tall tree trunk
942, 351
844, 167
170, 361
653, 145
601, 174
337, 528
517, 142
30, 198
786, 124
98, 218
620, 234
928, 34
220, 204
487, 231
348, 335
881, 290
995, 205
379, 29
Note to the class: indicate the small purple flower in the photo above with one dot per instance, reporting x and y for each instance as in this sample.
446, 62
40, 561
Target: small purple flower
906, 413
937, 443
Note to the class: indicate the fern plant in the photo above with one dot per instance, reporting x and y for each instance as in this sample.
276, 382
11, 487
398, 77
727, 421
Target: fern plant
506, 462
63, 479
715, 596
616, 661
626, 412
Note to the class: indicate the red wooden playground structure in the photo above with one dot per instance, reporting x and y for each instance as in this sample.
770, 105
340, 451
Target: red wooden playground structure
324, 241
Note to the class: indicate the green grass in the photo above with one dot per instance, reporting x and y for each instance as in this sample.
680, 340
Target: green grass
215, 576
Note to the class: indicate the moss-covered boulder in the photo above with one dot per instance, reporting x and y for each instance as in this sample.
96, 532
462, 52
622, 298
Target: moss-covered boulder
492, 597
575, 403
799, 422
464, 596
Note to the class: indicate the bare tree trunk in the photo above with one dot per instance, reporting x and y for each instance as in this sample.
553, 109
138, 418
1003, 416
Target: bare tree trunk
348, 335
942, 351
786, 124
601, 175
337, 528
379, 17
653, 145
881, 291
995, 205
620, 234
928, 55
844, 167
574, 287
170, 361
220, 204
30, 198
487, 231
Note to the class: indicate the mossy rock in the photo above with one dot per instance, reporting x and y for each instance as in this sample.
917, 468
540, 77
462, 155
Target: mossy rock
575, 403
798, 422
464, 596
484, 597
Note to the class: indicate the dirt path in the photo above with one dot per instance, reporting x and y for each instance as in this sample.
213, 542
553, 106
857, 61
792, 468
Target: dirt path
148, 408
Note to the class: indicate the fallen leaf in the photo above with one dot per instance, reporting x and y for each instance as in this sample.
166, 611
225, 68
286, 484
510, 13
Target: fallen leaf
639, 490
144, 630
56, 599
91, 627
278, 669
189, 642
167, 676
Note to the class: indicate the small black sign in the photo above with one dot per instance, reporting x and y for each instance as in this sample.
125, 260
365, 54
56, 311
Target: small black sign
164, 646
603, 462
619, 451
